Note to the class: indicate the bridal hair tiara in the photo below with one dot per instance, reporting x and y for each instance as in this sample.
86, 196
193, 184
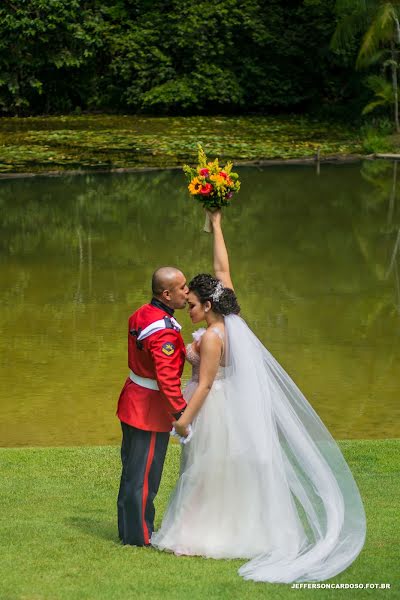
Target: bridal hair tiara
216, 295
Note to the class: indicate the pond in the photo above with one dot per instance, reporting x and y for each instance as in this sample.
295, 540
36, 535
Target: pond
315, 260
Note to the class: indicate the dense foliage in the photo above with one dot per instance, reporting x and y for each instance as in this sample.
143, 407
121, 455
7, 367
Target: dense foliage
378, 22
173, 56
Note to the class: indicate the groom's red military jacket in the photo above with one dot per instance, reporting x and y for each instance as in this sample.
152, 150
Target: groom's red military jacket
161, 358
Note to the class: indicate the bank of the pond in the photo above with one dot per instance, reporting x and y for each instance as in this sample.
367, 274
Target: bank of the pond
109, 142
58, 525
337, 159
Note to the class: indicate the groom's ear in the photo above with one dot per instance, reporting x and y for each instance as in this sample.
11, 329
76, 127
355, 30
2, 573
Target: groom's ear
166, 295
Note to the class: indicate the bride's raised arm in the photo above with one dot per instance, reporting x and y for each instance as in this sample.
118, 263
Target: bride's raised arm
221, 260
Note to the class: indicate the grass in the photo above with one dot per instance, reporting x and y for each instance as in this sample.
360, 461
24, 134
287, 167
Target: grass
42, 144
59, 538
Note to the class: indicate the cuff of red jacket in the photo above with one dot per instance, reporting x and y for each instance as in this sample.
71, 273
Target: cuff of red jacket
177, 415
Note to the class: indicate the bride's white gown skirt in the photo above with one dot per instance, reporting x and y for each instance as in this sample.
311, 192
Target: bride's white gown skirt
262, 478
221, 506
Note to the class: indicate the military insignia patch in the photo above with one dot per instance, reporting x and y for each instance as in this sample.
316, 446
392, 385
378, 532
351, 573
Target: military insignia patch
168, 348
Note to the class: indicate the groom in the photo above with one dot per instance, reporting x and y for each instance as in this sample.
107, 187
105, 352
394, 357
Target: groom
150, 401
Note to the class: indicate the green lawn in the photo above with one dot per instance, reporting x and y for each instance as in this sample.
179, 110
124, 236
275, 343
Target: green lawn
59, 538
41, 144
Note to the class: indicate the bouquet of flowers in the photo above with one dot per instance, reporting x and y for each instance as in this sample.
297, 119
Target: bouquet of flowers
211, 185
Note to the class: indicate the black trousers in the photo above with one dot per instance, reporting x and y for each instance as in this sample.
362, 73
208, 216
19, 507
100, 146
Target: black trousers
142, 455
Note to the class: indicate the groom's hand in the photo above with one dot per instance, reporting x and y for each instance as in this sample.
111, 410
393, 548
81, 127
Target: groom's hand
181, 430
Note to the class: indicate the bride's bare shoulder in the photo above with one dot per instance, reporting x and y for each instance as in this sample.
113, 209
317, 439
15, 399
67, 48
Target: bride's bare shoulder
212, 337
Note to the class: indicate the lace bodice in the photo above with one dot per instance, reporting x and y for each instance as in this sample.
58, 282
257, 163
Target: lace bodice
193, 357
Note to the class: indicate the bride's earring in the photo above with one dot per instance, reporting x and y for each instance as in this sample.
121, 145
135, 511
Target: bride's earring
206, 310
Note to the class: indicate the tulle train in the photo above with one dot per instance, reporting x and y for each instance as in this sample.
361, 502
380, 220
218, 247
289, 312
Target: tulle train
262, 478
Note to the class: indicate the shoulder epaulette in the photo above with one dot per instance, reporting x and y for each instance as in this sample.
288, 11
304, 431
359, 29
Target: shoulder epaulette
165, 323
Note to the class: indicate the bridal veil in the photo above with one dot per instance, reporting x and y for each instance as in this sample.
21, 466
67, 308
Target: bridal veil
313, 509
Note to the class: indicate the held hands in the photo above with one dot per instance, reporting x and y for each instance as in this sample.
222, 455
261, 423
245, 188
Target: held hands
181, 429
183, 432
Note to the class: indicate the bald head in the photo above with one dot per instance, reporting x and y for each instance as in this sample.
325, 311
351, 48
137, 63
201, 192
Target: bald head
163, 279
169, 285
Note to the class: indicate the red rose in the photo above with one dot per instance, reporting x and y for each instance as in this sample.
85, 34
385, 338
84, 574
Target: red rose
204, 172
223, 174
207, 188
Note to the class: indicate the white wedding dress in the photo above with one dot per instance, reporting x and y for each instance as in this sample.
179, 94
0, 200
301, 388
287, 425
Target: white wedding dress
262, 478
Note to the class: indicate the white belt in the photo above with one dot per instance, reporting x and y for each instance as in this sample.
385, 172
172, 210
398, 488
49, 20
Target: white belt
150, 384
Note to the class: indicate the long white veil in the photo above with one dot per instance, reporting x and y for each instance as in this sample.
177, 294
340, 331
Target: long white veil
313, 509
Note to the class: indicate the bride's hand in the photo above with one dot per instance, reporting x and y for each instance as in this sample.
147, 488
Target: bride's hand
181, 429
215, 217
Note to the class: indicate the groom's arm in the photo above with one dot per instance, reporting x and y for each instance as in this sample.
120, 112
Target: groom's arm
166, 348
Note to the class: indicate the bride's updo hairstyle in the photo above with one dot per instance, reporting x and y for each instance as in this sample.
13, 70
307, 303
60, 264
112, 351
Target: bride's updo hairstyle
223, 300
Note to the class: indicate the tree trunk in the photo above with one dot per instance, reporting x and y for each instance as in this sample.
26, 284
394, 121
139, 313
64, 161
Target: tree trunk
394, 85
392, 199
394, 255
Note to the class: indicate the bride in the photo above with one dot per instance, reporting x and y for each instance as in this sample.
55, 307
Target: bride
261, 477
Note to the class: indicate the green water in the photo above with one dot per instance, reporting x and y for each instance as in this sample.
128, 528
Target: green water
315, 261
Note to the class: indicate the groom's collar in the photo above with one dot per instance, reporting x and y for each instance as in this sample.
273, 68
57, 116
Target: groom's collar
159, 304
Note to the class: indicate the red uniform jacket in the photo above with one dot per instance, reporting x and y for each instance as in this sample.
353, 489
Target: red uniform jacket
162, 358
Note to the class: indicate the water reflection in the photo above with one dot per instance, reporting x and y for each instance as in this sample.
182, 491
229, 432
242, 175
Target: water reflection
315, 261
383, 176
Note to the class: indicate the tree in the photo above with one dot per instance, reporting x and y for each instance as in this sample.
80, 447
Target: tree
378, 23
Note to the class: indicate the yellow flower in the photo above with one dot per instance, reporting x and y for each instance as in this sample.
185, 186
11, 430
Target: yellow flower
218, 180
195, 186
